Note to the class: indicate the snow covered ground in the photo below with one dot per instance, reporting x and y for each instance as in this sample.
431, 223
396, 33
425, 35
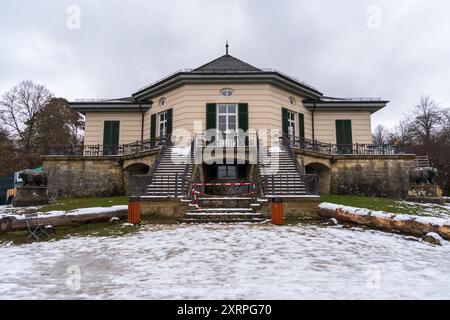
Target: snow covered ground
427, 209
229, 262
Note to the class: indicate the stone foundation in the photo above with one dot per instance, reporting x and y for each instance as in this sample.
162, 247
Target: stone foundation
304, 208
169, 207
30, 196
425, 193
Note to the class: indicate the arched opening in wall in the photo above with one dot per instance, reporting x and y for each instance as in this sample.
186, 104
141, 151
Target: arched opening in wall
323, 173
134, 169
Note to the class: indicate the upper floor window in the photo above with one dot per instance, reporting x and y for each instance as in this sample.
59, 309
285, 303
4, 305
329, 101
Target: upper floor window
226, 92
163, 124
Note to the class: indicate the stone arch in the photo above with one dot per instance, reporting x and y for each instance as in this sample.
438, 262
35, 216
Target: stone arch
131, 170
323, 173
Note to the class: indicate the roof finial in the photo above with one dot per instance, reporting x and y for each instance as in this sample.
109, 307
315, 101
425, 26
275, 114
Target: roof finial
226, 47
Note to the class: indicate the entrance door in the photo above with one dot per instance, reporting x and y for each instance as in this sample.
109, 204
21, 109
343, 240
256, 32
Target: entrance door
227, 122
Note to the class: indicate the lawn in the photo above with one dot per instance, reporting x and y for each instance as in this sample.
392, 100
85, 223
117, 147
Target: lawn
67, 204
388, 205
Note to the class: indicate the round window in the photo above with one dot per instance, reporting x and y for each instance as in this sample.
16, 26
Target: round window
162, 102
226, 92
292, 100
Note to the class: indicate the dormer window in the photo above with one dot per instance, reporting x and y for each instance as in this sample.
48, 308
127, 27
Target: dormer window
226, 92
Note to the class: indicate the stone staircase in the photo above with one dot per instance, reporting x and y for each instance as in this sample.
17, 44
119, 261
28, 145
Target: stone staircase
224, 210
422, 161
282, 179
167, 179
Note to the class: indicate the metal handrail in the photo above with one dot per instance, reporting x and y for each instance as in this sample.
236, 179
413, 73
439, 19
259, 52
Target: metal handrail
291, 154
345, 149
151, 171
186, 169
99, 150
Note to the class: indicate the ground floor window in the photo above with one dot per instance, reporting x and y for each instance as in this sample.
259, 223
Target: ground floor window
227, 172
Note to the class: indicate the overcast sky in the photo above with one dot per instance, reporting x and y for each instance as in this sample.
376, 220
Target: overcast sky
339, 47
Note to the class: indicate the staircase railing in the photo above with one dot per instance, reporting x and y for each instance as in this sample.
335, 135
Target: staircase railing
290, 182
186, 183
291, 154
167, 142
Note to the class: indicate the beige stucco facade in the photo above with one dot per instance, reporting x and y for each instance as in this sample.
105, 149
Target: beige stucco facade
129, 131
265, 103
325, 125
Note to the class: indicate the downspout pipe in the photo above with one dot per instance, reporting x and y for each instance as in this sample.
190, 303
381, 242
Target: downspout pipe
312, 120
142, 123
143, 119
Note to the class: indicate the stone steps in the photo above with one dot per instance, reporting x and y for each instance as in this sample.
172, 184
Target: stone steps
223, 215
170, 171
283, 180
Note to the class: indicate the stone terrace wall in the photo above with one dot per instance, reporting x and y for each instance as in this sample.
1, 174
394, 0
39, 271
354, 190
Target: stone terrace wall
371, 175
88, 176
83, 177
386, 176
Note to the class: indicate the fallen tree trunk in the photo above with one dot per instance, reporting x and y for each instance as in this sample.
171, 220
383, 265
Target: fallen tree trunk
415, 225
16, 223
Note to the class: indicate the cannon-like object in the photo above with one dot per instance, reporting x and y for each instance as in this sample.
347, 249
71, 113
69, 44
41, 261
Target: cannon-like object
33, 178
423, 175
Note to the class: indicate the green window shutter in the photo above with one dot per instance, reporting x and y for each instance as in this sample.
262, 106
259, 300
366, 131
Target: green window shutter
153, 126
243, 116
110, 137
111, 133
211, 119
344, 132
169, 121
284, 119
301, 125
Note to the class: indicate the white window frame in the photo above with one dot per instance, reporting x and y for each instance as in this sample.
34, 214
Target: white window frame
163, 122
226, 92
227, 136
291, 123
227, 170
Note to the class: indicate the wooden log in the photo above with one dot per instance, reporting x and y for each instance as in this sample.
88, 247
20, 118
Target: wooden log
13, 223
418, 226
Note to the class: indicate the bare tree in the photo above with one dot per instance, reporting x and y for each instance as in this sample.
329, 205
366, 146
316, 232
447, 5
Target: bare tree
401, 133
19, 109
380, 135
426, 120
445, 132
8, 154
